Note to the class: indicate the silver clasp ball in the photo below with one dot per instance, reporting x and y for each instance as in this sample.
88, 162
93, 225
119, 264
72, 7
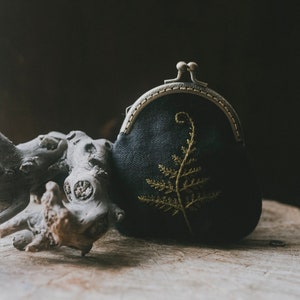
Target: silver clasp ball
182, 67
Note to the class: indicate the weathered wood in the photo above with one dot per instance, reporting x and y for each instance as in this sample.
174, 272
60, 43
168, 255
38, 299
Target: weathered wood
125, 268
26, 167
76, 217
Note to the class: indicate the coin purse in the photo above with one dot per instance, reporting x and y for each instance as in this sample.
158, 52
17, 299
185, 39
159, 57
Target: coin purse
181, 168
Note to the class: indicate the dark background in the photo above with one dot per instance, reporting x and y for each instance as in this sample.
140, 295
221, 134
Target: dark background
68, 65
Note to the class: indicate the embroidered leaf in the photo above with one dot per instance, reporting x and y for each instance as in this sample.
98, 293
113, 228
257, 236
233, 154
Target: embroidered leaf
190, 161
195, 201
184, 190
168, 172
177, 160
167, 187
191, 171
193, 183
164, 203
184, 150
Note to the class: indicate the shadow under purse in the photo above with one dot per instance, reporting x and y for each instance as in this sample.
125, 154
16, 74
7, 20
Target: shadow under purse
181, 168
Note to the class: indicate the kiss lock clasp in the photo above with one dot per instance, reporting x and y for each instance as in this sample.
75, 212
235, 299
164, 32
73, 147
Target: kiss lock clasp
183, 67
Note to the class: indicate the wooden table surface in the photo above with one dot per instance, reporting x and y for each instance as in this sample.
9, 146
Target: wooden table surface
125, 268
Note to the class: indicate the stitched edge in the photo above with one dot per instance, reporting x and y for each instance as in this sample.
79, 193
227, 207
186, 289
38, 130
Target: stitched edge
172, 88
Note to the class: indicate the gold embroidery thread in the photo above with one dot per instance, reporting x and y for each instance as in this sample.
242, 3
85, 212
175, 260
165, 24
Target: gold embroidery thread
183, 187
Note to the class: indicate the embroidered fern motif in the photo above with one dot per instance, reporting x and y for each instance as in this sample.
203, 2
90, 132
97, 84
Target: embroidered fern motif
183, 186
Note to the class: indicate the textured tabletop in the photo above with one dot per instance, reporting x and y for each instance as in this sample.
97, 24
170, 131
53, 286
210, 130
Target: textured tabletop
266, 265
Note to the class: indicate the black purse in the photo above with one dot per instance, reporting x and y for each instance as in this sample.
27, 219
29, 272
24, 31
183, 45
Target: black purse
181, 169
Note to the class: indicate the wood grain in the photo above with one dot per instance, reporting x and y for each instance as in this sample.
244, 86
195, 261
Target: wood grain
125, 268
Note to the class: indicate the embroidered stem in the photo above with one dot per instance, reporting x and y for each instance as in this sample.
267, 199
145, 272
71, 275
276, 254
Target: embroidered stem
190, 143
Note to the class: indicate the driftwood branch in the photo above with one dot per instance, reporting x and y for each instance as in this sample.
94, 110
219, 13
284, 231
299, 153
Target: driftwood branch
75, 216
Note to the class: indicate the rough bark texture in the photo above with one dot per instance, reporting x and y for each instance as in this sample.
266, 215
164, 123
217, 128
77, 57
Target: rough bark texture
76, 217
24, 168
125, 268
